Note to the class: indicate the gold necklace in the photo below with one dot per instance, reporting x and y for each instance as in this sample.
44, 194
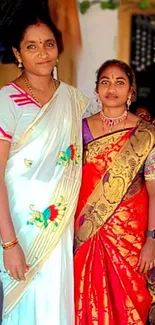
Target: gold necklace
28, 86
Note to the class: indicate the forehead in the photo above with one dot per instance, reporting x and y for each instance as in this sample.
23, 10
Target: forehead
37, 32
114, 71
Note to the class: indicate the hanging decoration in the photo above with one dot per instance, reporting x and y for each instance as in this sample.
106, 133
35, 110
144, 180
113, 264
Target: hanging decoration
113, 4
142, 42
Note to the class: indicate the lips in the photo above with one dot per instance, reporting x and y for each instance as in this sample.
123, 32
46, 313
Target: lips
111, 97
47, 62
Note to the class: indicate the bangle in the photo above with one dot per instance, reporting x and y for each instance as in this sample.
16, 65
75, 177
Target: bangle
10, 244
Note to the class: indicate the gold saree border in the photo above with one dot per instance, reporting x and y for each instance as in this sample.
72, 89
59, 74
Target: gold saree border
114, 184
96, 147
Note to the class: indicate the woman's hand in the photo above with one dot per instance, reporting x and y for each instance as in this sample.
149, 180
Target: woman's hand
147, 256
15, 263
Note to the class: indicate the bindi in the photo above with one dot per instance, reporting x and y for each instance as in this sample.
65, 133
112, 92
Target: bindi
112, 76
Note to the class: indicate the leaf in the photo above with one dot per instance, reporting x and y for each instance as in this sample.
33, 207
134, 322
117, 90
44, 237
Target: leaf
104, 5
113, 5
144, 5
56, 224
109, 5
84, 6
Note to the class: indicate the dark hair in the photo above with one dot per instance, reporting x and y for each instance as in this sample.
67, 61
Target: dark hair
122, 65
13, 32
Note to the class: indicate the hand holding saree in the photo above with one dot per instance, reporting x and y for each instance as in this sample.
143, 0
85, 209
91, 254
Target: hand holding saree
110, 226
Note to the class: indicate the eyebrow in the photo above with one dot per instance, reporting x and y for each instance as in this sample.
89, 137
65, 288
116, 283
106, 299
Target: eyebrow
118, 78
47, 40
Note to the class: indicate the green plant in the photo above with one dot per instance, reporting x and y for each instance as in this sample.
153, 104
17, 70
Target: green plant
111, 4
144, 4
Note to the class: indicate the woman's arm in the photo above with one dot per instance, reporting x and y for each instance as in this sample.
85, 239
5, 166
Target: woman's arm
14, 260
7, 232
150, 185
147, 256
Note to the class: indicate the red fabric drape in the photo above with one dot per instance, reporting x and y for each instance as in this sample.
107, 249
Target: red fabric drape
109, 290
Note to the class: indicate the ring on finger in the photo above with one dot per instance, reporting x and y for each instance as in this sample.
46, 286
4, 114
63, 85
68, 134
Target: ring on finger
8, 272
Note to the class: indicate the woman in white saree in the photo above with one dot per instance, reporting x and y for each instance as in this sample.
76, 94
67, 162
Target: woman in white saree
40, 176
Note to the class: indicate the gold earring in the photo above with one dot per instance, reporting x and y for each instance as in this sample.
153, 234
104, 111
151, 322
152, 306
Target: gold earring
128, 103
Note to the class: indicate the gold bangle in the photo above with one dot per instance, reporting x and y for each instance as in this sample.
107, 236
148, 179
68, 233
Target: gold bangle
10, 244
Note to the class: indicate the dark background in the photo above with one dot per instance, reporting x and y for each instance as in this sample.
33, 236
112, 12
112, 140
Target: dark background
142, 59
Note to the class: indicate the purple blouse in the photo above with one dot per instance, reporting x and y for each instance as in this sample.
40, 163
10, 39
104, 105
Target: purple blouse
86, 133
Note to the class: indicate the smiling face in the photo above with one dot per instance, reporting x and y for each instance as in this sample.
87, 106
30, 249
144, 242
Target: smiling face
113, 87
38, 50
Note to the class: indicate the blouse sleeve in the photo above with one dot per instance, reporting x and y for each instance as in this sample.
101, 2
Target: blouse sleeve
7, 117
149, 171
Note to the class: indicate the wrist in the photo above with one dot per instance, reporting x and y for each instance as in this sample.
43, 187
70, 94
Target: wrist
9, 244
150, 240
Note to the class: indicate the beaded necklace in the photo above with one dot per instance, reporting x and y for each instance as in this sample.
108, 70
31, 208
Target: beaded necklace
28, 86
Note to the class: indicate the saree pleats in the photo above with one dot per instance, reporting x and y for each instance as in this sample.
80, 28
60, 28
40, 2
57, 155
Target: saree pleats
110, 289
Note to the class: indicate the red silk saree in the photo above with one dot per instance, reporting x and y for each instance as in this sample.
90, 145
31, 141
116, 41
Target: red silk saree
110, 226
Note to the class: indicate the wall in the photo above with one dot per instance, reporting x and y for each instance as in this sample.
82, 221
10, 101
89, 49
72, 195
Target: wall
8, 72
99, 33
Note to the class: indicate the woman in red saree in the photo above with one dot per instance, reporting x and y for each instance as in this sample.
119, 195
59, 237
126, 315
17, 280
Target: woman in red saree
114, 227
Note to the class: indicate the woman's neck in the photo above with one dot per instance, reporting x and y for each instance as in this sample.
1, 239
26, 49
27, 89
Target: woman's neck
41, 83
113, 111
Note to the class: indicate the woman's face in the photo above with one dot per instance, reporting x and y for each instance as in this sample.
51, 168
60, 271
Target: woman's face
113, 87
38, 50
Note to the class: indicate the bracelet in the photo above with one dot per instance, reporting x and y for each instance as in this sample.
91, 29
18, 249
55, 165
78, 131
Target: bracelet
10, 244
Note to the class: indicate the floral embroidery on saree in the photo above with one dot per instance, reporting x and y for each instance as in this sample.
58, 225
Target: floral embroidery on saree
28, 162
72, 154
54, 213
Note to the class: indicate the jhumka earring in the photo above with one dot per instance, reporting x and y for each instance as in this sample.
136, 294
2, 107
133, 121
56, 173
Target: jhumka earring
128, 103
20, 65
55, 70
